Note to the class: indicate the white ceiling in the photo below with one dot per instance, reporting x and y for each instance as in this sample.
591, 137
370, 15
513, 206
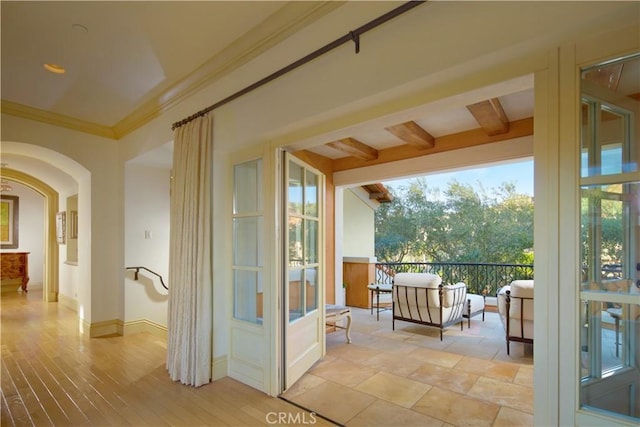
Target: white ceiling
122, 57
124, 54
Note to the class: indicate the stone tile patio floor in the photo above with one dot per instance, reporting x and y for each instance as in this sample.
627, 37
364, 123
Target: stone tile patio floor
408, 377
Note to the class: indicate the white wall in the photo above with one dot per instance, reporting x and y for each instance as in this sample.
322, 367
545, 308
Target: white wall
94, 163
438, 50
31, 231
359, 226
146, 242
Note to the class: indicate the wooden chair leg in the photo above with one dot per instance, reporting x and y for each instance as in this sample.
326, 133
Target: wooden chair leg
349, 327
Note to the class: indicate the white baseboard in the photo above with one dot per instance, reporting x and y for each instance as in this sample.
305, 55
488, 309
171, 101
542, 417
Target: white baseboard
100, 329
118, 327
68, 302
145, 325
219, 368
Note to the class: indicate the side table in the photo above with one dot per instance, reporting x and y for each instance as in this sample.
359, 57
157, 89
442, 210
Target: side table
379, 289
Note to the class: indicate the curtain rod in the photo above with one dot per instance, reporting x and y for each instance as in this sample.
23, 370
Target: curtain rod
353, 36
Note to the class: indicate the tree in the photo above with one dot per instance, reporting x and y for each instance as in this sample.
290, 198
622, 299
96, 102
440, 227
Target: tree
460, 225
603, 209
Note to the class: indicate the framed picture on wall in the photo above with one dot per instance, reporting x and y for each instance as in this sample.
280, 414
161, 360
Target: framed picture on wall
9, 217
61, 227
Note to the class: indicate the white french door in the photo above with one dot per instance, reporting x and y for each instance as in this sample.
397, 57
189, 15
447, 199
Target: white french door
609, 375
303, 269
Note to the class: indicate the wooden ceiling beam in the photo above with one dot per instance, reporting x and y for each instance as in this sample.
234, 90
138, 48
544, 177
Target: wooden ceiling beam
490, 116
378, 192
413, 134
355, 148
470, 138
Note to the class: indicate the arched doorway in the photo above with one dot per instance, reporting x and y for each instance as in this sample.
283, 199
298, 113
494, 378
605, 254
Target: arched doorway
51, 252
54, 176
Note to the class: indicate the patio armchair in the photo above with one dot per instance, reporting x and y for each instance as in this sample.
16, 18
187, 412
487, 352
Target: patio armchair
515, 306
422, 298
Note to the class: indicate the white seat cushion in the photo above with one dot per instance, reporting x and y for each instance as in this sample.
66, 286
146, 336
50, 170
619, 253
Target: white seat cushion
521, 289
417, 280
420, 280
477, 303
454, 294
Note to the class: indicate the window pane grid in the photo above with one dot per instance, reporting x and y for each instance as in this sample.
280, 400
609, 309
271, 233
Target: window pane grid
303, 222
609, 303
248, 242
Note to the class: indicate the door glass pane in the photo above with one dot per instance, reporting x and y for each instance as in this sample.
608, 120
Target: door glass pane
311, 282
296, 294
609, 240
603, 150
311, 194
602, 338
248, 241
247, 235
295, 188
247, 196
311, 241
296, 258
303, 240
247, 296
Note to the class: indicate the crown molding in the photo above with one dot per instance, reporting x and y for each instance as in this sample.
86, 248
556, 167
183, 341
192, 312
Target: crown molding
286, 21
289, 19
55, 119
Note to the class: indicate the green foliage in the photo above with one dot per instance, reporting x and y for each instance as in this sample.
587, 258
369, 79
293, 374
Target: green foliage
604, 209
460, 225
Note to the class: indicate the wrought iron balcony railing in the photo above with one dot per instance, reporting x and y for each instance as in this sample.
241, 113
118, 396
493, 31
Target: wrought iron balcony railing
478, 277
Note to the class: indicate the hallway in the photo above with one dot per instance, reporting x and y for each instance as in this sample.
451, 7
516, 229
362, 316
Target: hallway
54, 376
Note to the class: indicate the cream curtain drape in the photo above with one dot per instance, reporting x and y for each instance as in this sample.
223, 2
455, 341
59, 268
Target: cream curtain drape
190, 265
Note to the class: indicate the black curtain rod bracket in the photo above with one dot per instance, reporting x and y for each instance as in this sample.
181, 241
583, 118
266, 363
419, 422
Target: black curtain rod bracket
356, 39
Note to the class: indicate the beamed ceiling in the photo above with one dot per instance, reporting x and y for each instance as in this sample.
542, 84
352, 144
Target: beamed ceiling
164, 51
495, 119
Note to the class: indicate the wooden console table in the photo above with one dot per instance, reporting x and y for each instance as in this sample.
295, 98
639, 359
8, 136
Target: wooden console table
15, 265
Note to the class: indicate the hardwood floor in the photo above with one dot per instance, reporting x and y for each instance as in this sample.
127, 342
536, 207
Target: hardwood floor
51, 375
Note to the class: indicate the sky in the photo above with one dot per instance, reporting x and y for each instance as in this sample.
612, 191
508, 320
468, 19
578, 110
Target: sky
491, 176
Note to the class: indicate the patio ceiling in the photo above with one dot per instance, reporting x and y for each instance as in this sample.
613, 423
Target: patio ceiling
508, 115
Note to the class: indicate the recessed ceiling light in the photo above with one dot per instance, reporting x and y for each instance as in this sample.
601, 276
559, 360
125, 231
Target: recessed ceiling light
57, 69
